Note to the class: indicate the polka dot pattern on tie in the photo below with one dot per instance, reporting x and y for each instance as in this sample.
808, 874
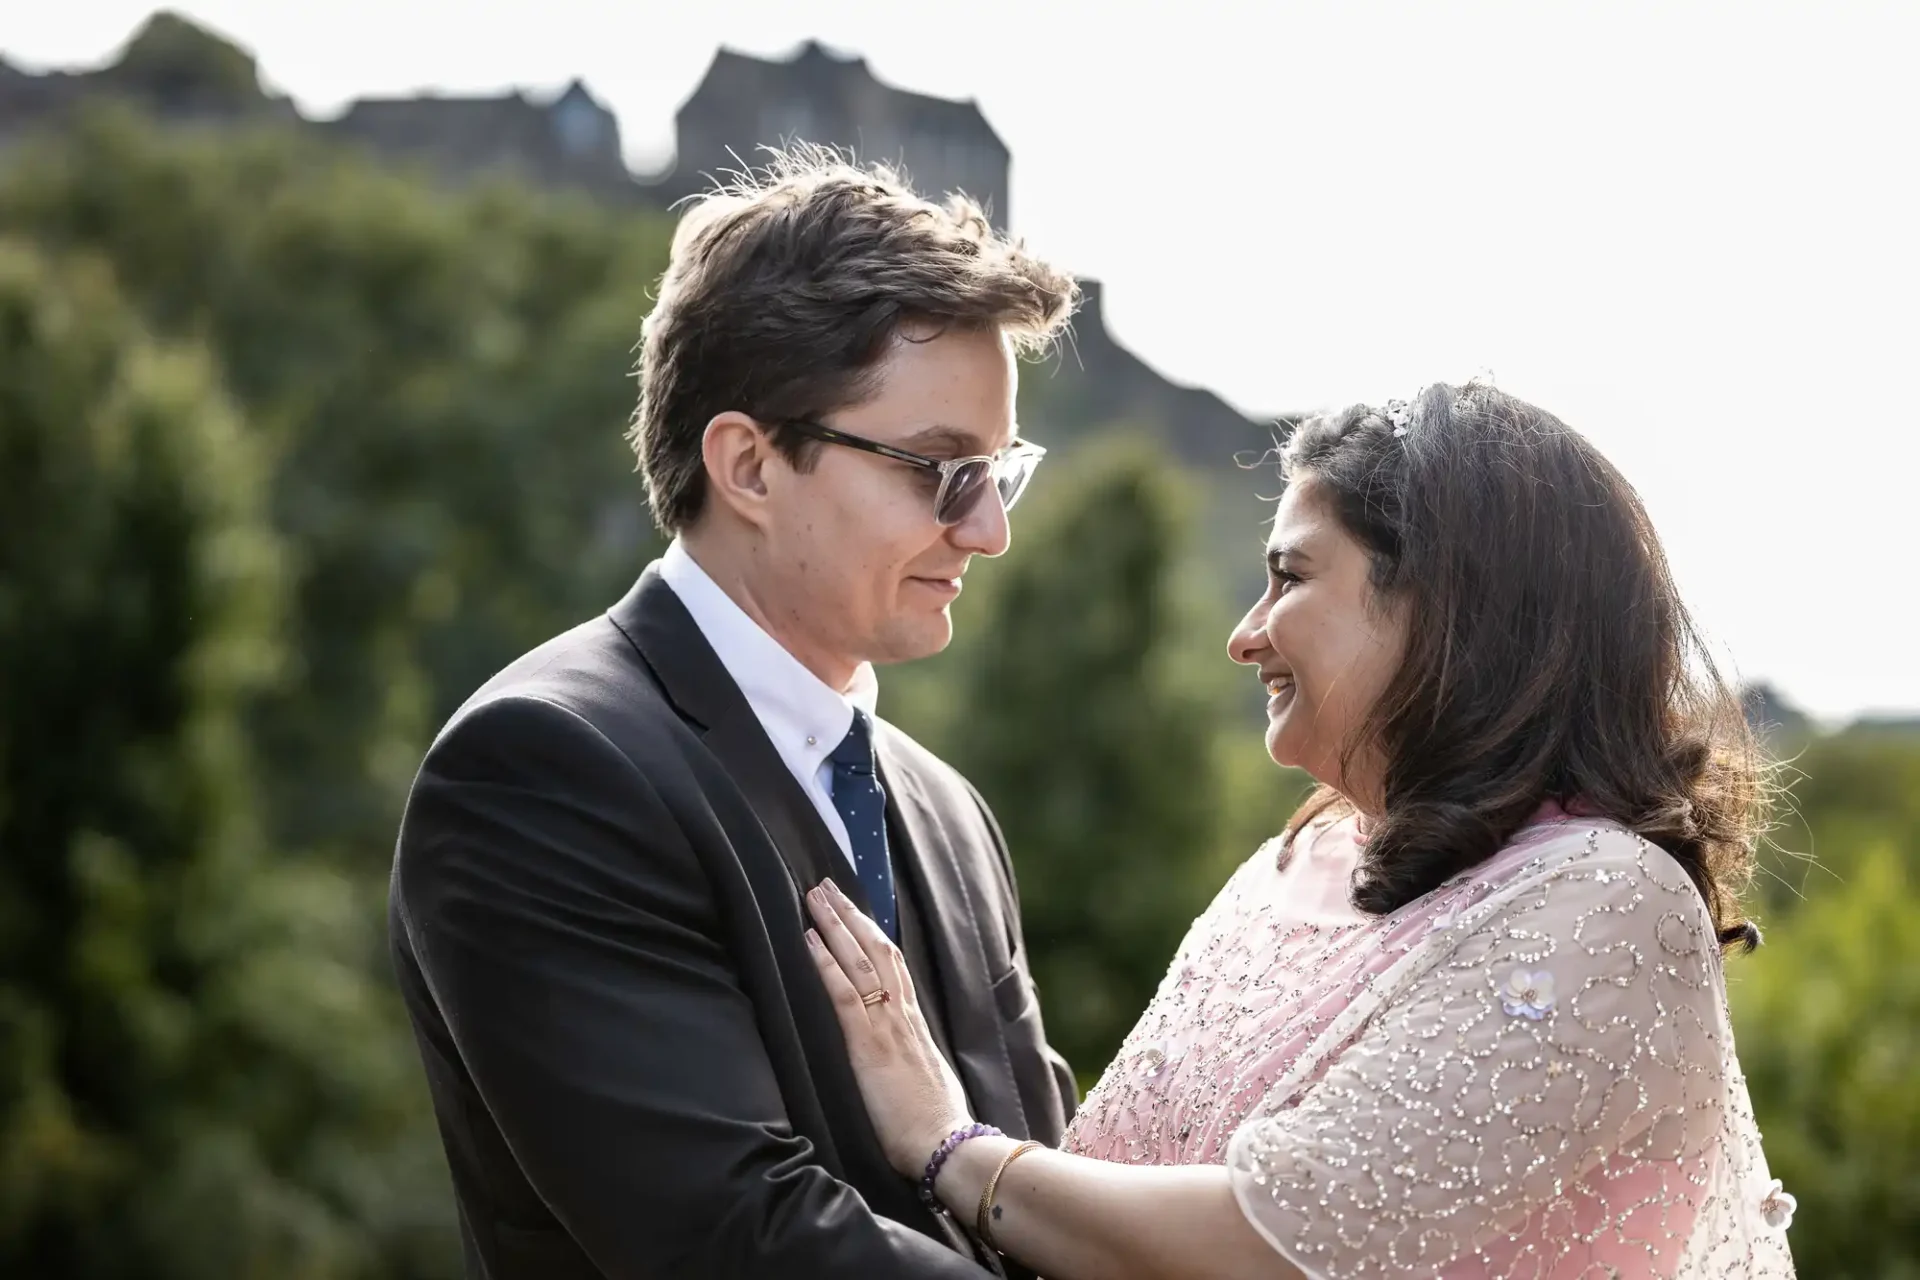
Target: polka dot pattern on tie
862, 804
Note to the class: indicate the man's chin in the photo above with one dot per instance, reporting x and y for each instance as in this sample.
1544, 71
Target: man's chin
911, 639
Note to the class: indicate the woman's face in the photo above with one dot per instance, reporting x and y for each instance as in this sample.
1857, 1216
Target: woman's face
1324, 646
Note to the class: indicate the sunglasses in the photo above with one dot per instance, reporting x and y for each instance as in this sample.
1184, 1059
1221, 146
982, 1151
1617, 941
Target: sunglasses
962, 480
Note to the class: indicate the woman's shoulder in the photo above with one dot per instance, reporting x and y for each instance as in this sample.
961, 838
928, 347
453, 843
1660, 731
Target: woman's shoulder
1567, 844
1600, 874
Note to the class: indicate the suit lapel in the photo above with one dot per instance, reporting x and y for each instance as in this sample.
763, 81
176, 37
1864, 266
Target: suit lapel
697, 682
953, 933
693, 677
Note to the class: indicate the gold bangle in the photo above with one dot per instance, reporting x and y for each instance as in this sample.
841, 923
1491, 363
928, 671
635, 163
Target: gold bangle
980, 1220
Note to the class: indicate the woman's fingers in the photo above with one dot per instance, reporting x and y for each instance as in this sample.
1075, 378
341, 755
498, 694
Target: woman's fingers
874, 942
912, 1094
854, 961
846, 1001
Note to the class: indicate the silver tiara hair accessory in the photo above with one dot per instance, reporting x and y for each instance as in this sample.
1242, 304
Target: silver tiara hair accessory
1481, 381
1400, 414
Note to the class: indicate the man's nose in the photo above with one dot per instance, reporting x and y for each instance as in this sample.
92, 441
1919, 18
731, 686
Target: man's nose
985, 530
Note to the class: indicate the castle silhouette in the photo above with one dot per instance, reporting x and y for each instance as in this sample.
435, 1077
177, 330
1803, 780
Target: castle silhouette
179, 73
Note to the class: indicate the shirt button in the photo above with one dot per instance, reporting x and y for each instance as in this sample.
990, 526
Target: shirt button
812, 741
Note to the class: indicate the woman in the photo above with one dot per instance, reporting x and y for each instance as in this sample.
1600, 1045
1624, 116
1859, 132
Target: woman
1467, 1015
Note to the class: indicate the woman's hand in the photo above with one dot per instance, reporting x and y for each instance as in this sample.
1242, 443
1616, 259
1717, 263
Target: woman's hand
1062, 1215
912, 1095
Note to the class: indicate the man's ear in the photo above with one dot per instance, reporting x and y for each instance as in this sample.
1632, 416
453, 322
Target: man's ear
736, 453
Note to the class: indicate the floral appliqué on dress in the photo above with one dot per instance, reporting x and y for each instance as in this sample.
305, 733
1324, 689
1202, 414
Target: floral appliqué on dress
1528, 994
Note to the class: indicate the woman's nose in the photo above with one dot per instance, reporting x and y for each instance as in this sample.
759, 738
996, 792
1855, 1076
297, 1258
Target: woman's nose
1249, 639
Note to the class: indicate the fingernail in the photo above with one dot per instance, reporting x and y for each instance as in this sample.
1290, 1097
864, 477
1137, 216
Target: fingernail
818, 893
813, 939
832, 888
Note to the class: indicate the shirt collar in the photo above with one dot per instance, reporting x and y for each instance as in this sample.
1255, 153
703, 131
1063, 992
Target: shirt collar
804, 716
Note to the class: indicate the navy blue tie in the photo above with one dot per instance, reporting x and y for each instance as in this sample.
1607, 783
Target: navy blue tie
862, 803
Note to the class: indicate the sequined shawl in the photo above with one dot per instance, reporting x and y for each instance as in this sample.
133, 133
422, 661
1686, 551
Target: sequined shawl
1528, 1072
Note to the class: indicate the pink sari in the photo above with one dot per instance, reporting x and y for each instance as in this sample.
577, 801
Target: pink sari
1528, 1072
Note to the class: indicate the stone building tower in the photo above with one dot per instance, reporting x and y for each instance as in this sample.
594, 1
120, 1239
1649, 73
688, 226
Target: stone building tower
744, 103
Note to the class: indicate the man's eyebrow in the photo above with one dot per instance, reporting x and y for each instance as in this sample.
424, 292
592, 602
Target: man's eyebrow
961, 444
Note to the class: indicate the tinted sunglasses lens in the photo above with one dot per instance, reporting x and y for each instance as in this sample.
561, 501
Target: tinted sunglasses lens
1014, 474
961, 493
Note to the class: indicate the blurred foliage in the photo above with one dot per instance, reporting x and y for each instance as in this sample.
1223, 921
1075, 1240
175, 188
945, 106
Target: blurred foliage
1827, 1013
199, 1074
1087, 695
1828, 1025
296, 450
1843, 796
437, 381
1108, 792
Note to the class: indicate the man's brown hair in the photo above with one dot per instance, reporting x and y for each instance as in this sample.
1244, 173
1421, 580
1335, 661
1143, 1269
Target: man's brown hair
785, 289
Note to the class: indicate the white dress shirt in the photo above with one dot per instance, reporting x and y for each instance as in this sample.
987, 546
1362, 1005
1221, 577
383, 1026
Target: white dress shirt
805, 717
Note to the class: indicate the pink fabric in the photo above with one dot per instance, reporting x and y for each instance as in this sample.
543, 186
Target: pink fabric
1527, 1072
1262, 973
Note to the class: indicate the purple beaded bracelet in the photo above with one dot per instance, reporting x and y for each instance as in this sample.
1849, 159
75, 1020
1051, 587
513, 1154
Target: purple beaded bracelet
946, 1149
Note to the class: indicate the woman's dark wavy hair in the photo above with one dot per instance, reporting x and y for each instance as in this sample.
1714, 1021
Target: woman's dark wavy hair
1548, 653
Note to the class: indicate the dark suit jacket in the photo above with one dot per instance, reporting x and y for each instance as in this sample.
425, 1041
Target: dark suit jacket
597, 921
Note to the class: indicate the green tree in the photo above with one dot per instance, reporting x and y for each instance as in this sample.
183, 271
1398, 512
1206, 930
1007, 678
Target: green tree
439, 379
1846, 793
196, 1076
1828, 1011
1827, 1016
1074, 719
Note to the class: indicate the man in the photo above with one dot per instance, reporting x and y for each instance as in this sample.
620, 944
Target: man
596, 900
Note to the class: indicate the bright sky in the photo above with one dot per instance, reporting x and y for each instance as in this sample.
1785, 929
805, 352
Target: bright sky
1687, 229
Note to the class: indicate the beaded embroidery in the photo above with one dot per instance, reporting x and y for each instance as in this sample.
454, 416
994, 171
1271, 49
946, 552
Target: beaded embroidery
1542, 1086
